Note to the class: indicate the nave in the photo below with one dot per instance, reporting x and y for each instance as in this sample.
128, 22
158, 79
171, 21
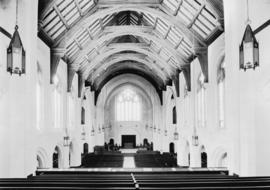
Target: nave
134, 94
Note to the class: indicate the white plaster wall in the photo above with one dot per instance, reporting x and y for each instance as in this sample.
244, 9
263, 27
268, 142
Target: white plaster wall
16, 106
247, 92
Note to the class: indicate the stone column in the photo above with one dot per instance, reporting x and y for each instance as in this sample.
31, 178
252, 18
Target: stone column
195, 156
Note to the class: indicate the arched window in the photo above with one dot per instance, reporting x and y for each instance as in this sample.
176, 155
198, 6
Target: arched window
201, 102
39, 101
221, 91
83, 116
71, 112
174, 116
186, 106
203, 157
128, 106
57, 104
38, 105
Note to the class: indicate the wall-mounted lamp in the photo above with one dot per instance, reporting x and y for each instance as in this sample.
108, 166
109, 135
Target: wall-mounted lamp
165, 132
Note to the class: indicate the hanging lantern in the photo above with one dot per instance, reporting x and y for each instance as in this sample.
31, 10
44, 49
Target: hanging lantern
83, 135
146, 127
103, 128
99, 129
165, 132
155, 128
16, 54
151, 127
249, 50
158, 130
195, 140
66, 141
92, 131
175, 134
66, 138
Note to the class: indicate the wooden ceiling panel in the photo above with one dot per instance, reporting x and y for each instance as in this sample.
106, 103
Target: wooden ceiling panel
167, 29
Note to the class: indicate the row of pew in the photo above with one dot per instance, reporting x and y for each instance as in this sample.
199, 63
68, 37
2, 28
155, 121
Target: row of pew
103, 160
135, 180
154, 159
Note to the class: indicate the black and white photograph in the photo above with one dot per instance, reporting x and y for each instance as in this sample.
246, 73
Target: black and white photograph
135, 94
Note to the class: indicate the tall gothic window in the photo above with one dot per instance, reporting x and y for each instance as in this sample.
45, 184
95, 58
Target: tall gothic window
174, 115
201, 102
38, 104
39, 97
186, 106
82, 116
221, 91
57, 104
71, 110
128, 106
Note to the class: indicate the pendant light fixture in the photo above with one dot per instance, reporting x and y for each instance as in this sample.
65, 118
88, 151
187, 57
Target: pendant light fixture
249, 47
15, 51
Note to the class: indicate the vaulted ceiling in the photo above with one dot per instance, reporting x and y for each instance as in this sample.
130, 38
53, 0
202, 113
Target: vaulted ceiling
156, 38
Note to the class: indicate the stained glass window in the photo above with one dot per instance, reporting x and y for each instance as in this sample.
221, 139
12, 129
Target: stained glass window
128, 106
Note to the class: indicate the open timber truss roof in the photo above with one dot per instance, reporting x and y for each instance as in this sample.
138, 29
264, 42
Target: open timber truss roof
156, 38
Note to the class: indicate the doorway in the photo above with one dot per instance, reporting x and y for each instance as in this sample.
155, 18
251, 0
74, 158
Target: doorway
171, 148
128, 141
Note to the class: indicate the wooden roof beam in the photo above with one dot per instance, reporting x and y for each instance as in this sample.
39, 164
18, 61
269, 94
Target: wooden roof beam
78, 7
128, 30
196, 16
61, 16
178, 7
167, 17
167, 32
119, 48
89, 33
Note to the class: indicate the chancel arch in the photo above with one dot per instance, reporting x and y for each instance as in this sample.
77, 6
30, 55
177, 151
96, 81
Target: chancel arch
144, 89
128, 109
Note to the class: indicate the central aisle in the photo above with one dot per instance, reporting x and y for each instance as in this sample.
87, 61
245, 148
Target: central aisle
129, 162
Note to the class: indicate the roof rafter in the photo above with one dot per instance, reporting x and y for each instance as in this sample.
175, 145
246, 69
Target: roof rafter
171, 20
145, 32
120, 57
121, 47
